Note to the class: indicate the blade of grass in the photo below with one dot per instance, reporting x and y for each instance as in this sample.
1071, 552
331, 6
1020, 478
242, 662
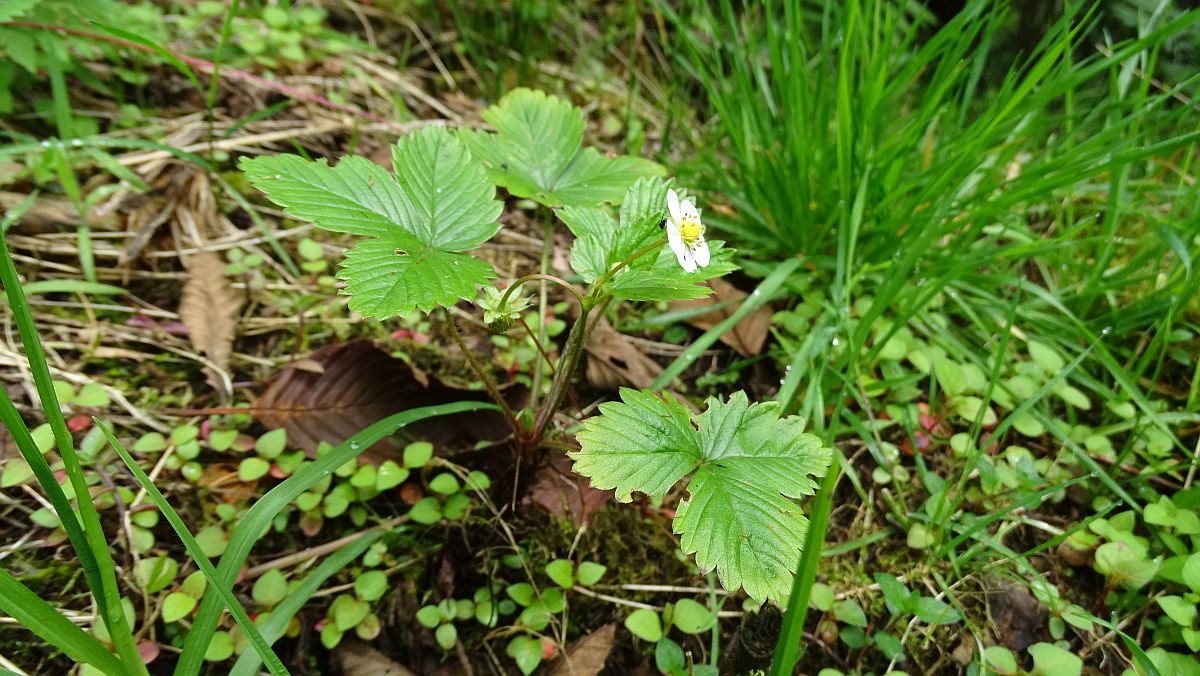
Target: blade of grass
787, 647
33, 613
93, 552
274, 665
258, 518
165, 53
72, 286
764, 292
274, 627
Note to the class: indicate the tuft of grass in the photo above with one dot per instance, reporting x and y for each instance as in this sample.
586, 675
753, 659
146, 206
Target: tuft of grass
1054, 204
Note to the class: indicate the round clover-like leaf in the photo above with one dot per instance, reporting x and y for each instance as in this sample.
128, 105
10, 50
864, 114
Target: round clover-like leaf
561, 572
526, 651
176, 606
692, 617
645, 624
446, 636
371, 585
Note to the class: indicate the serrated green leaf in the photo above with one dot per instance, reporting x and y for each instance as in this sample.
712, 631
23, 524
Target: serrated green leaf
655, 285
12, 9
438, 204
738, 518
536, 153
355, 196
642, 444
593, 229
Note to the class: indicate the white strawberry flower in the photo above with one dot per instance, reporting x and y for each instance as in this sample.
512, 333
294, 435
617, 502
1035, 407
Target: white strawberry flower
685, 233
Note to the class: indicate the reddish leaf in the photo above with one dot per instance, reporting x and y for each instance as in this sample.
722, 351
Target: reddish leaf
340, 389
79, 423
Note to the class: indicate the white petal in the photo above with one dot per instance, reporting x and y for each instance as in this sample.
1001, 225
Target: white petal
700, 252
689, 210
673, 205
674, 238
686, 260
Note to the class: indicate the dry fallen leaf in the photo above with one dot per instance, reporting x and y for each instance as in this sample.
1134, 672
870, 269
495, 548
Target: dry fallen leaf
355, 658
340, 389
209, 308
614, 362
747, 336
586, 656
563, 493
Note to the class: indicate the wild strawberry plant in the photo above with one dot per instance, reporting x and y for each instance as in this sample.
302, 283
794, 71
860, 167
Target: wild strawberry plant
636, 239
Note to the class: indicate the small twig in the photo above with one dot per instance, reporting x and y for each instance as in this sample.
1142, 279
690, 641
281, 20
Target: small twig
670, 589
319, 550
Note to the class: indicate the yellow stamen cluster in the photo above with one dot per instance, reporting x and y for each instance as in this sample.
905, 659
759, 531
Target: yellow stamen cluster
690, 232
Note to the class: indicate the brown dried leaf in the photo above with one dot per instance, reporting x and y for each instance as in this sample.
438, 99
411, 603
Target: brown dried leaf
586, 656
614, 362
1018, 617
747, 336
563, 493
340, 389
209, 308
355, 658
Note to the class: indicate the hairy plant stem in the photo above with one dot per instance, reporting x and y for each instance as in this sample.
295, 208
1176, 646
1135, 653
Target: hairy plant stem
490, 384
549, 278
543, 298
566, 368
578, 337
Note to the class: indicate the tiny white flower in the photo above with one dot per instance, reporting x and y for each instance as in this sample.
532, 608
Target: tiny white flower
685, 233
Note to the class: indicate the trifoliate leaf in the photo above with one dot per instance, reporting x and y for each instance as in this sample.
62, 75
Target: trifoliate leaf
537, 153
747, 463
439, 203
